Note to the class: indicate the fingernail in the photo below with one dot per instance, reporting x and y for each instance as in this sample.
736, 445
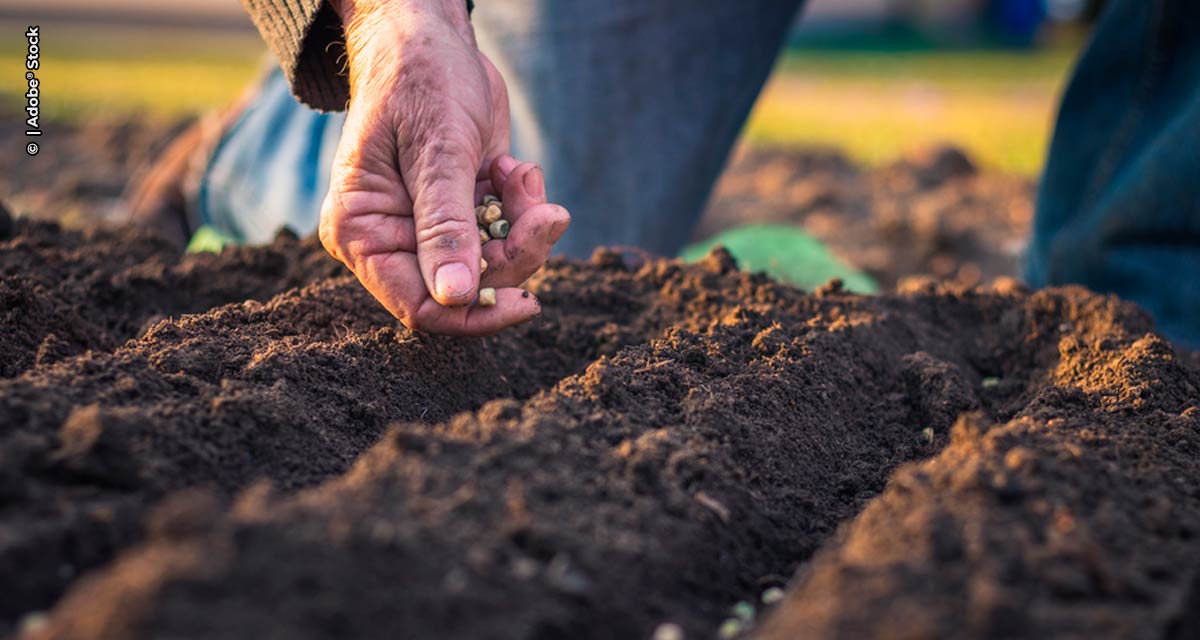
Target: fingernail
452, 281
506, 164
558, 230
535, 184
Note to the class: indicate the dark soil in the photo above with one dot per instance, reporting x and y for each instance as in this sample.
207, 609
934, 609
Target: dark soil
82, 169
932, 213
246, 445
664, 442
66, 292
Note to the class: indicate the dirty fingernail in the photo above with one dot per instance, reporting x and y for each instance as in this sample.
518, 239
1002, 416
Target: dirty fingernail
557, 229
452, 280
506, 163
535, 184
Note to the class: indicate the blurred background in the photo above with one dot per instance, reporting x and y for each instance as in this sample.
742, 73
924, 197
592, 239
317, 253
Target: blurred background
984, 74
869, 98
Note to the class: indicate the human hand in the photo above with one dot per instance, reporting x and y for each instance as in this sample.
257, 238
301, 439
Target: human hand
426, 136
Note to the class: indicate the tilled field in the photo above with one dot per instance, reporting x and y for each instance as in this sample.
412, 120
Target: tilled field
246, 445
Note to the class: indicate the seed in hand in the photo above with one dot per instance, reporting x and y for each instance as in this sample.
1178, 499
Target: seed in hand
484, 236
492, 213
487, 297
482, 264
498, 229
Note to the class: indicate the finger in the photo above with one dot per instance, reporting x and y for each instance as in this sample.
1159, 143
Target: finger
395, 280
443, 185
536, 226
513, 306
483, 188
528, 245
499, 170
521, 188
483, 182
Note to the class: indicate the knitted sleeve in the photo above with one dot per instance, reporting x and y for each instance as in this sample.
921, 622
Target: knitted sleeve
306, 37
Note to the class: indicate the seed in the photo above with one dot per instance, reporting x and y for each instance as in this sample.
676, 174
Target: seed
479, 213
491, 213
482, 264
499, 229
928, 434
730, 629
489, 198
487, 297
744, 611
668, 631
484, 236
772, 595
990, 382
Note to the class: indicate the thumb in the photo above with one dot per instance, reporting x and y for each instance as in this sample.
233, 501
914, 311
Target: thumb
448, 250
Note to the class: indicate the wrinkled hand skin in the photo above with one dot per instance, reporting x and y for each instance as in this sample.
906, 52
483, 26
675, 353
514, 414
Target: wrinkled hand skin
427, 136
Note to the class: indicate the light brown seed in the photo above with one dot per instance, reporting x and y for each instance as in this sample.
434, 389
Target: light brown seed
484, 236
487, 297
499, 229
482, 264
480, 213
730, 629
772, 595
491, 213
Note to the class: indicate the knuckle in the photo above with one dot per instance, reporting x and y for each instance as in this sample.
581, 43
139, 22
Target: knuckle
517, 255
443, 145
443, 229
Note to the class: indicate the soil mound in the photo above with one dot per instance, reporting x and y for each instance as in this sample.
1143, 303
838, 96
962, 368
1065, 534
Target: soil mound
246, 444
929, 213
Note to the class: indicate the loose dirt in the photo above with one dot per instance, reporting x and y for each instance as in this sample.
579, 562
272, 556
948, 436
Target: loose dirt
246, 445
83, 168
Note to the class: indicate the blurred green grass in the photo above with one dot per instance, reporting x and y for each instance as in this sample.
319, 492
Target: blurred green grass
874, 105
998, 105
155, 72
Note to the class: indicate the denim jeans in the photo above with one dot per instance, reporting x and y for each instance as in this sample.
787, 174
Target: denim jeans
631, 107
1118, 208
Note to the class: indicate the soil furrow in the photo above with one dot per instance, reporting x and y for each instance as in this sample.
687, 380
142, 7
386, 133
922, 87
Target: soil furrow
666, 441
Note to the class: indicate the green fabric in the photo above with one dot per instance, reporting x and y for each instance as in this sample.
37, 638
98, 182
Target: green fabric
209, 239
785, 253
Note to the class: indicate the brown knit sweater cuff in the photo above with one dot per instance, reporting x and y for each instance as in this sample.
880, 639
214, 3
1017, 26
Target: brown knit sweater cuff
306, 37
